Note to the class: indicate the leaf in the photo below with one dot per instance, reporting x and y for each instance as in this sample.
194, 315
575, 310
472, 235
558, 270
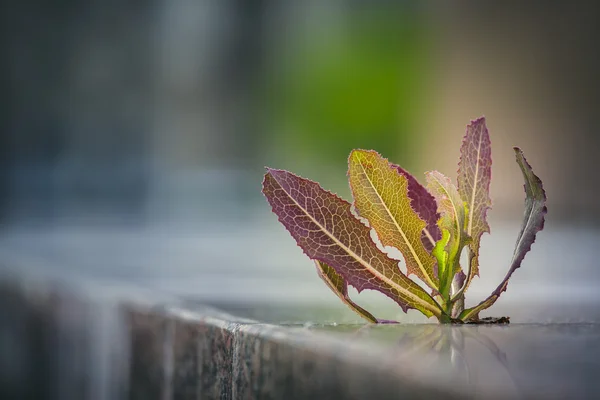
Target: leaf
339, 286
452, 210
474, 176
381, 196
460, 278
458, 288
533, 222
450, 204
323, 226
440, 252
424, 204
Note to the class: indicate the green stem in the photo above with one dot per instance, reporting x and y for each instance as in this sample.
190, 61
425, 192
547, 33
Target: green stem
445, 319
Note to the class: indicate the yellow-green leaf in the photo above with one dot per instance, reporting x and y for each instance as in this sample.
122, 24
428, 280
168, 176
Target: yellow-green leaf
381, 196
450, 204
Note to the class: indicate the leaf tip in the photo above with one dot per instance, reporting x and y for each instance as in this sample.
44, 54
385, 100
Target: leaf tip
477, 121
359, 154
354, 155
272, 170
277, 174
268, 173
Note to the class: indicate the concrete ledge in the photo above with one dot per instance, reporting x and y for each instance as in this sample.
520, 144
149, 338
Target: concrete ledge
58, 343
183, 354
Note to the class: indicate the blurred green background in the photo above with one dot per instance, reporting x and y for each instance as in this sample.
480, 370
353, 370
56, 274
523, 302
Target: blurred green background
167, 111
134, 135
356, 83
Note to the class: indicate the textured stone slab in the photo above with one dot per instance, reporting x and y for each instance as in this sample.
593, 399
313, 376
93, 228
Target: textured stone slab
58, 342
148, 359
281, 364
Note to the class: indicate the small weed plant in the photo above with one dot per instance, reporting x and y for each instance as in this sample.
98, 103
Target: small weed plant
431, 225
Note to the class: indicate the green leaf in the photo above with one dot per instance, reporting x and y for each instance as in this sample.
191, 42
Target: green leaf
339, 286
325, 228
452, 211
381, 196
474, 177
440, 253
533, 222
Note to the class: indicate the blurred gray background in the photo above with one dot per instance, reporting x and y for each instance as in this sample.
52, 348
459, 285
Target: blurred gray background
133, 134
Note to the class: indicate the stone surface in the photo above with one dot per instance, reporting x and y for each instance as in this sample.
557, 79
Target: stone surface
148, 334
186, 372
58, 342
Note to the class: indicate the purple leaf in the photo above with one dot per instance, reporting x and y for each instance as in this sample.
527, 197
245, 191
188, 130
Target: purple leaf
533, 222
474, 177
326, 230
425, 206
459, 278
457, 284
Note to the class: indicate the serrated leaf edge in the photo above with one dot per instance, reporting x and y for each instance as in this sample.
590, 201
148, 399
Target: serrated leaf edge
433, 308
471, 253
429, 279
473, 313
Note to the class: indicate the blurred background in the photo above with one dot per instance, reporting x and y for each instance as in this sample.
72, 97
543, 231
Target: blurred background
133, 135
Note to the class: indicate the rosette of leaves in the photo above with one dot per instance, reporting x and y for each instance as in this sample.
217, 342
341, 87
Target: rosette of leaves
430, 224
